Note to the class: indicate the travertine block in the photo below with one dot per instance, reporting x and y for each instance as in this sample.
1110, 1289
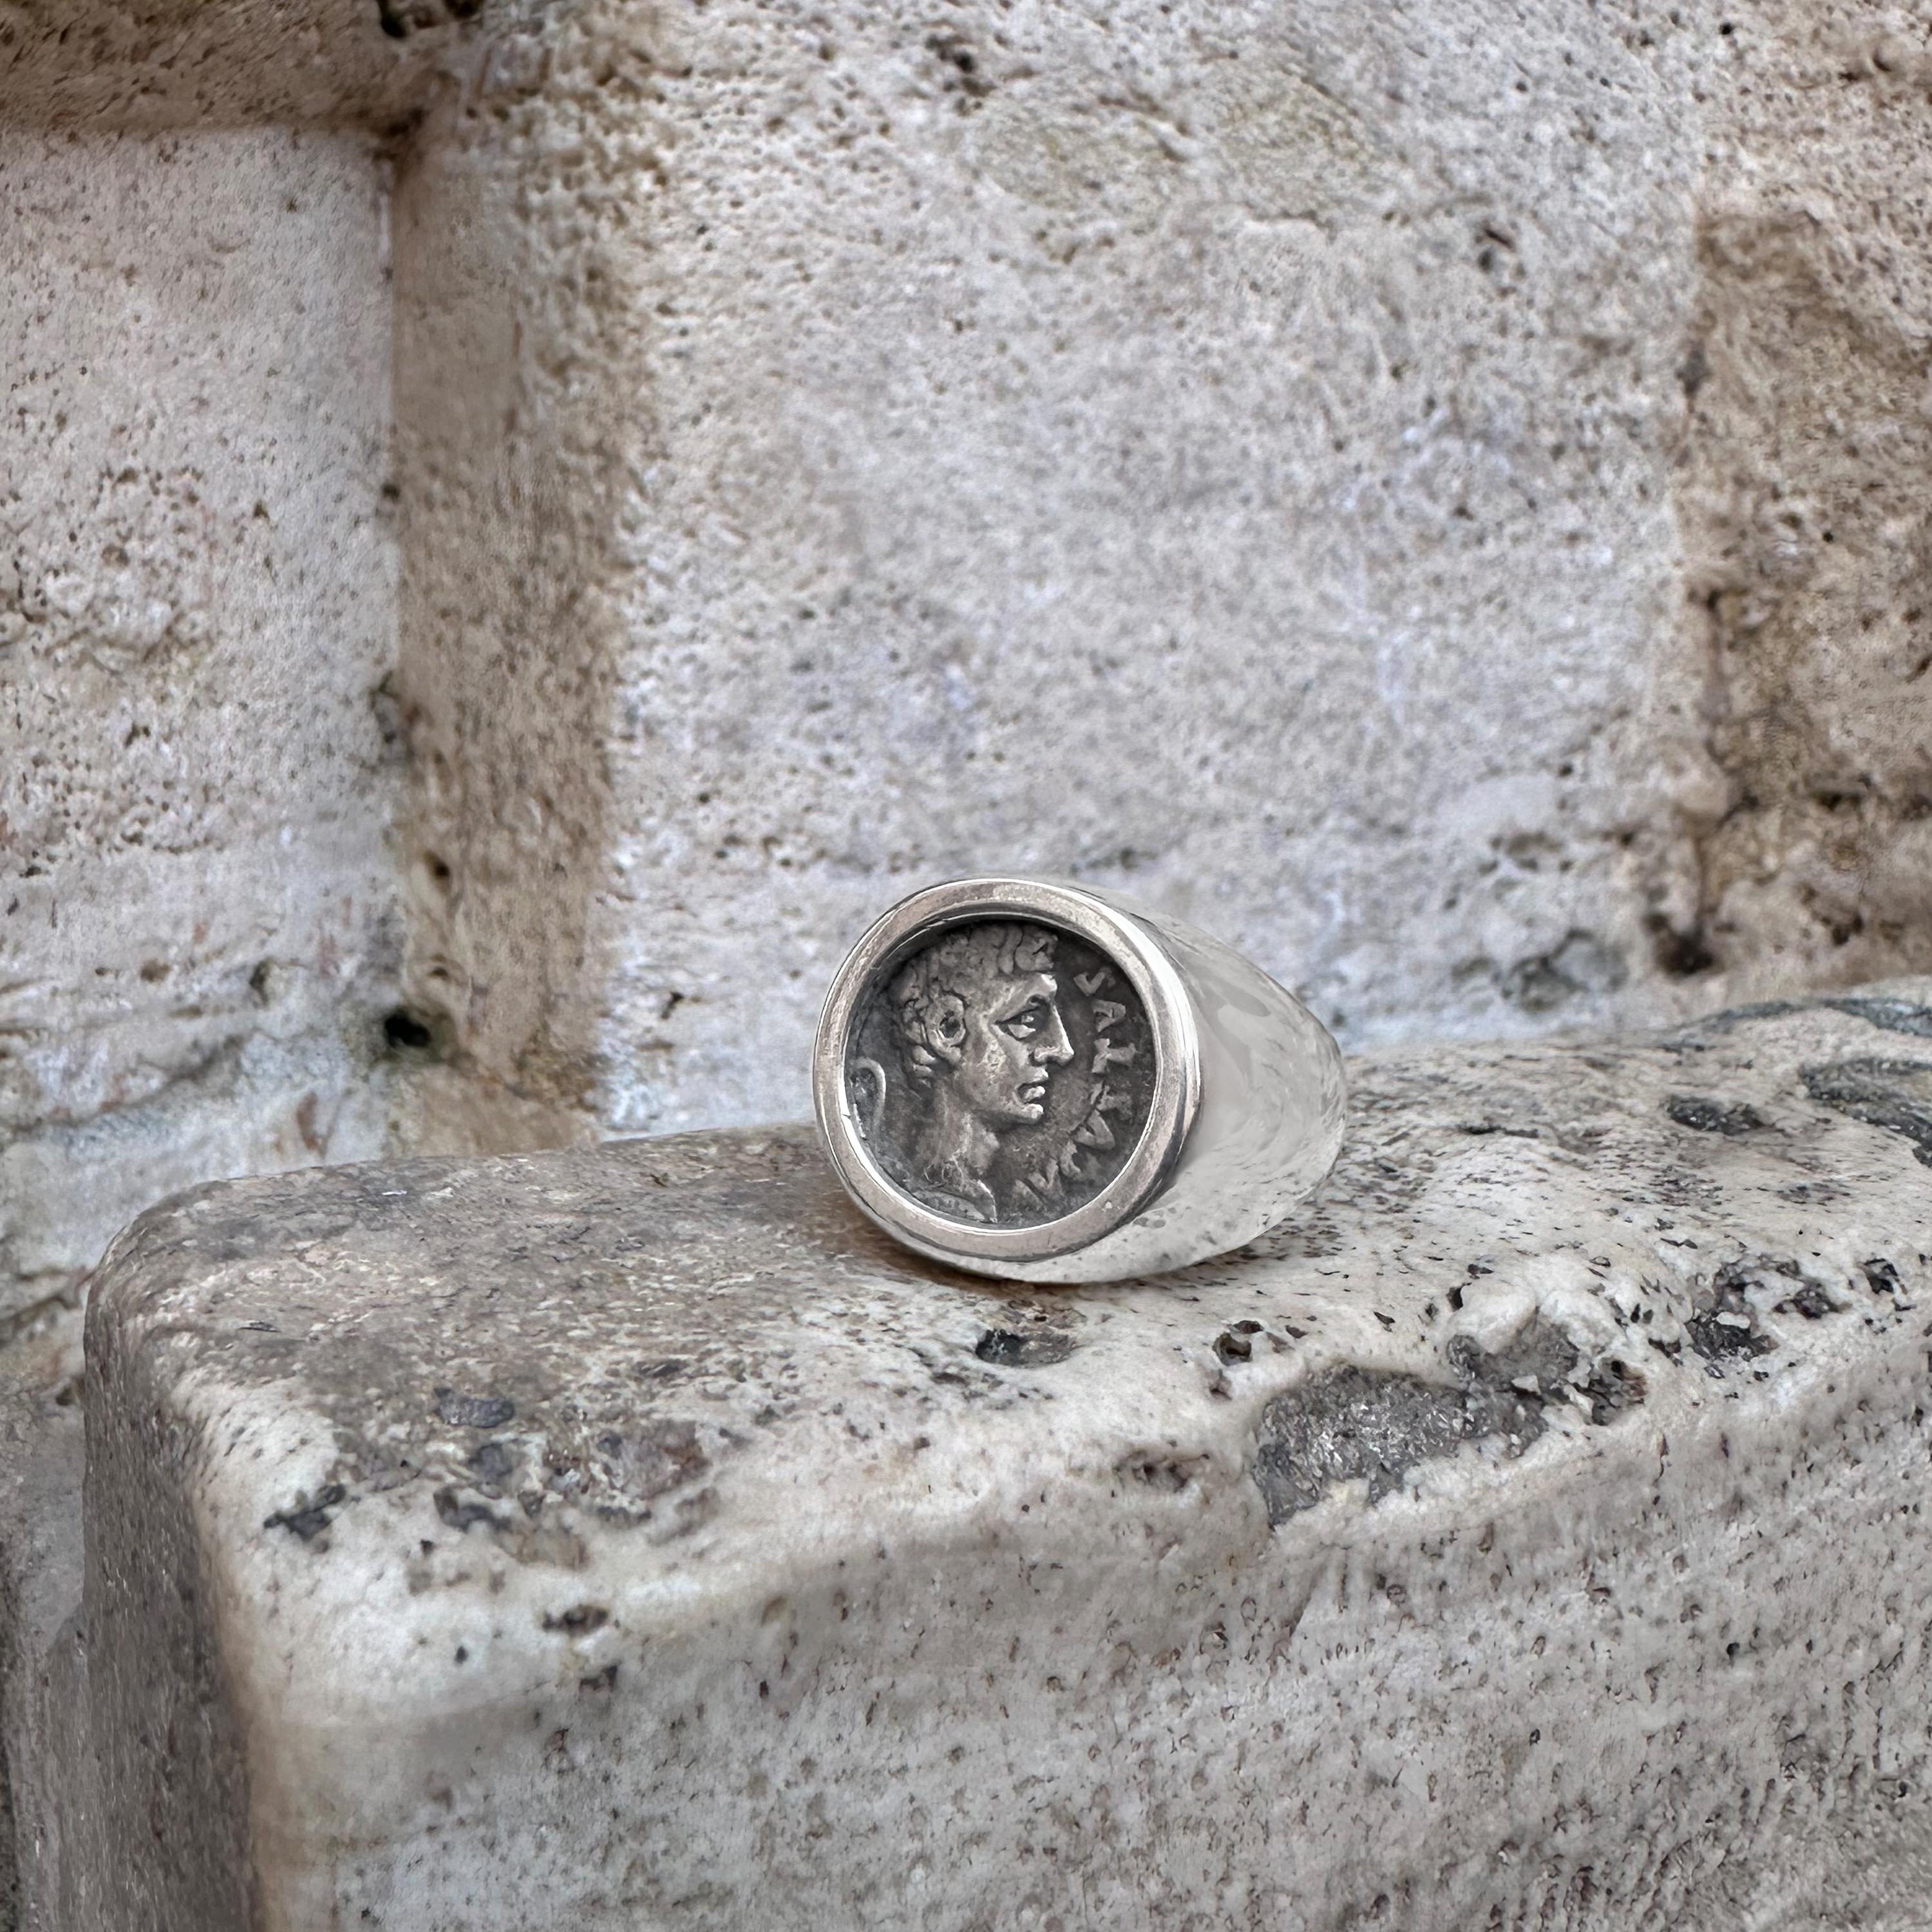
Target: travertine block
40, 1598
198, 923
1532, 1534
1433, 501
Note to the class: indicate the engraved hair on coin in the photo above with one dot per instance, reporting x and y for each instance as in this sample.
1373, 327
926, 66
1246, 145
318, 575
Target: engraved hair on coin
997, 1081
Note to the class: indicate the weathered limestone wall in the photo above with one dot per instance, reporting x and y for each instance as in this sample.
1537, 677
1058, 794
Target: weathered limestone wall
197, 611
522, 424
1803, 853
1338, 482
1434, 496
1128, 444
149, 66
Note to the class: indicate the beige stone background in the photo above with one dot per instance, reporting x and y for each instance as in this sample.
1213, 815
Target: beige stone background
523, 526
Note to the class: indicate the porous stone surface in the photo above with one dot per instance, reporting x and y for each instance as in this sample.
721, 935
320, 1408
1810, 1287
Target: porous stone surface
198, 916
40, 1602
1532, 1533
1804, 850
153, 66
1432, 501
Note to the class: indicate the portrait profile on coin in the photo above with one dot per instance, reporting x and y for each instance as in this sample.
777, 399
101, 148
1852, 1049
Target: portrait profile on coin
1002, 1072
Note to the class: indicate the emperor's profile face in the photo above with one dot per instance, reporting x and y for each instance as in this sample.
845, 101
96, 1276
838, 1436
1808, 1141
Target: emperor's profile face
1012, 1040
980, 1026
1000, 1070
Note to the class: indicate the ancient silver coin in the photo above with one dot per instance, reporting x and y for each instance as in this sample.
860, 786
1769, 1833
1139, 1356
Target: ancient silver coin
1002, 1073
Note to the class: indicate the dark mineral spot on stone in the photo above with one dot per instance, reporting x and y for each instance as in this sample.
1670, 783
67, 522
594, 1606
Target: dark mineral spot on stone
1724, 1327
1814, 1193
474, 1411
1583, 963
1882, 1276
1893, 1016
1005, 1348
579, 1620
492, 1463
605, 1679
650, 1459
462, 1515
1676, 1187
1810, 1301
1612, 1388
1540, 1354
1168, 1474
1706, 1116
308, 1520
1894, 1094
414, 1035
1351, 1423
1231, 1347
1682, 952
403, 1029
399, 18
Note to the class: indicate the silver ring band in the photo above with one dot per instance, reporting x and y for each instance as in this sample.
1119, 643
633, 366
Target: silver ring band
1029, 1078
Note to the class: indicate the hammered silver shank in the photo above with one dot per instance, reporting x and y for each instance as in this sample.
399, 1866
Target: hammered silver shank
1246, 1116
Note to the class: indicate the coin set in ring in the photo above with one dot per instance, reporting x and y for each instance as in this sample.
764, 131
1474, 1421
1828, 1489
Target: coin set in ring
1031, 1078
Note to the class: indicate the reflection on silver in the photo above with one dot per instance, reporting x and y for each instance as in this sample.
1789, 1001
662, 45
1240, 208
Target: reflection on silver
1045, 1081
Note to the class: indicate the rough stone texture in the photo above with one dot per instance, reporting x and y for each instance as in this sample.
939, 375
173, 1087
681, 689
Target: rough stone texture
1338, 482
198, 916
1531, 1534
1124, 444
1152, 453
154, 65
201, 751
520, 413
40, 1599
1798, 844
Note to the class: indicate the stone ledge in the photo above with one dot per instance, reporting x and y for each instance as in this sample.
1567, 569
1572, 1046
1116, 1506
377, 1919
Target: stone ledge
1531, 1534
40, 1601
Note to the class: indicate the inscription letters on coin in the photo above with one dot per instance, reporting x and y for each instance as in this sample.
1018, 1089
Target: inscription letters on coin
1002, 1073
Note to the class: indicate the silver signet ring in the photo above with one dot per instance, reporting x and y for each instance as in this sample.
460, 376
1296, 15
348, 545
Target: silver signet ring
1043, 1081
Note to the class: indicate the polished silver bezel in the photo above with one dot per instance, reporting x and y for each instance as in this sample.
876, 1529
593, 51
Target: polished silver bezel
1177, 1096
